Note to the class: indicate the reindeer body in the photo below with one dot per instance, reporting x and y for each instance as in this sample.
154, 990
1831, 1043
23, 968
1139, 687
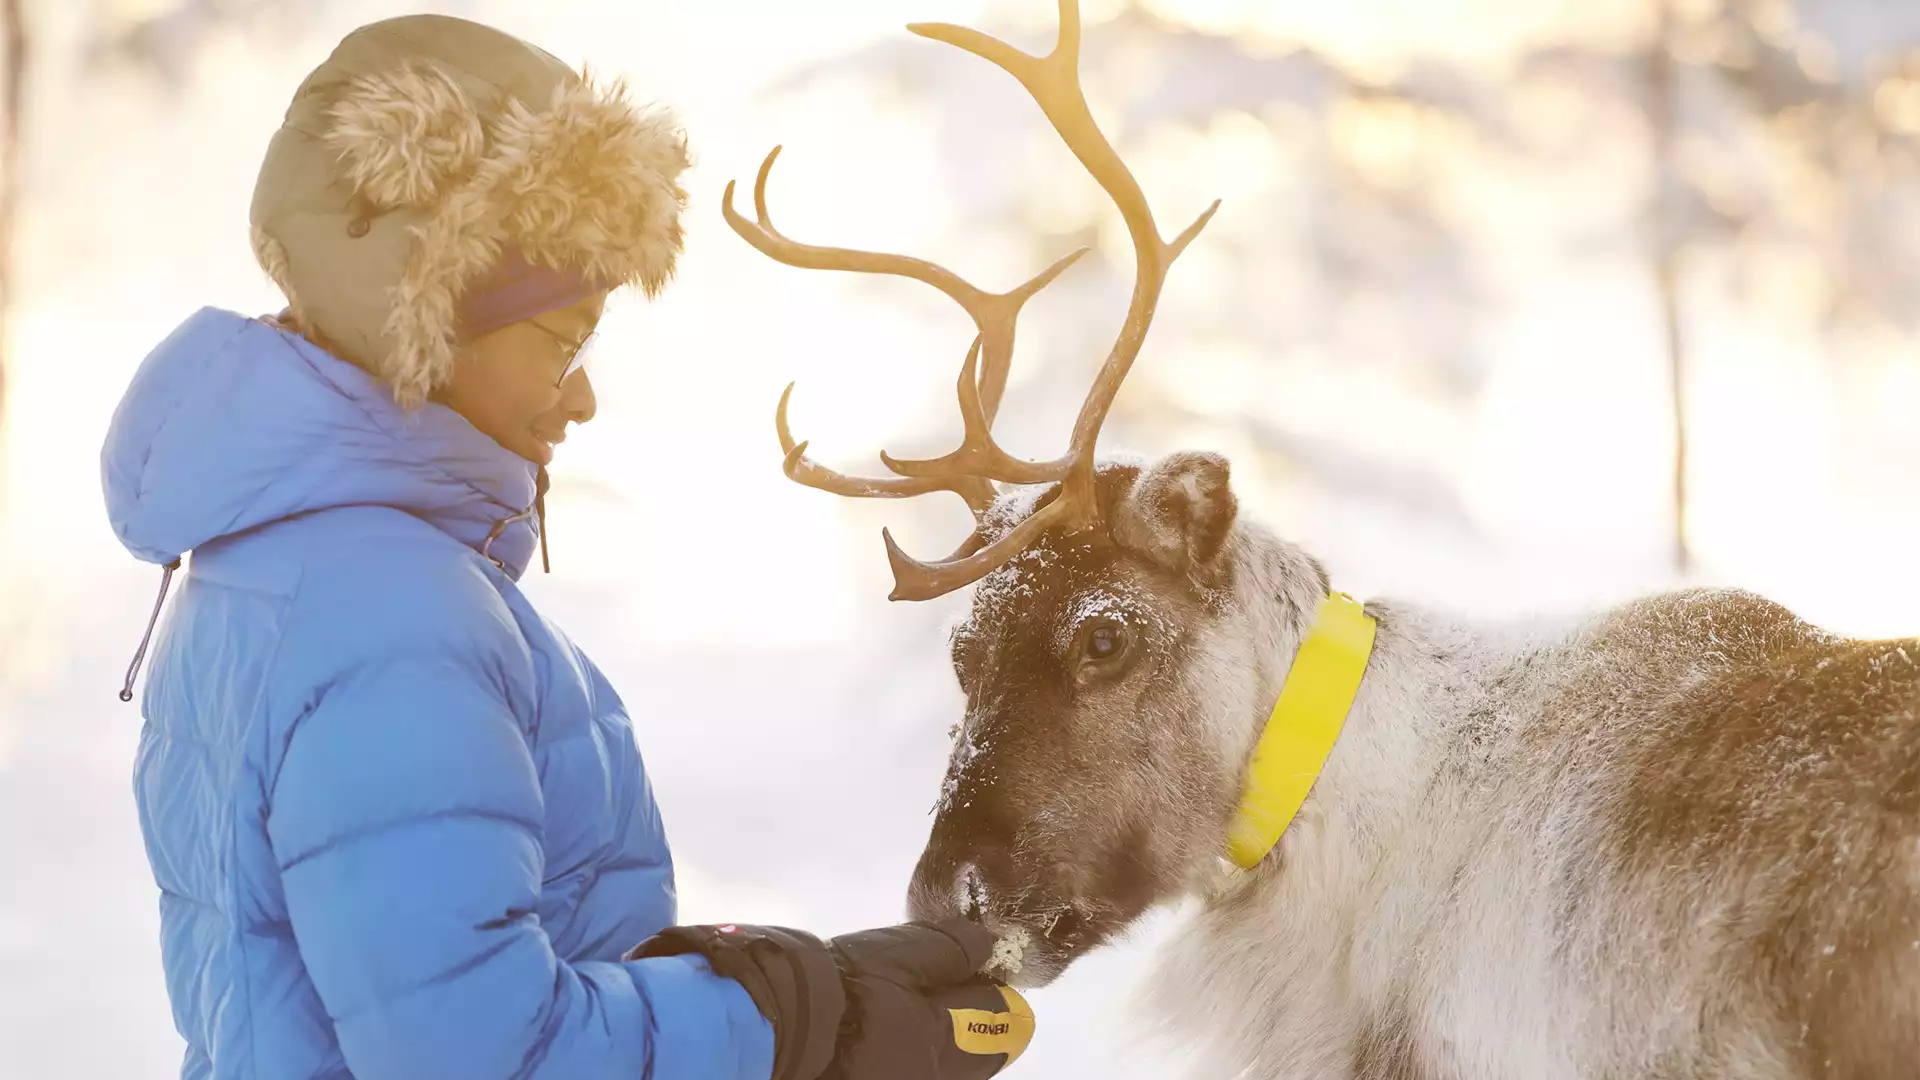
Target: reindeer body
1680, 839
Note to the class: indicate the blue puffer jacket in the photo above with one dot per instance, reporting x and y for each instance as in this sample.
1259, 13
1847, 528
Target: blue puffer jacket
398, 822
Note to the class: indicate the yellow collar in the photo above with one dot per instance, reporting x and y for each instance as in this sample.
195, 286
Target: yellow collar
1306, 722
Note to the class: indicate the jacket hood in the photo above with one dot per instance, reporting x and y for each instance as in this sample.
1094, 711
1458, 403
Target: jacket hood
232, 423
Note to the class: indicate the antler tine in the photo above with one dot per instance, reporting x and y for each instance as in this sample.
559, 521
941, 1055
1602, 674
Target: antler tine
994, 316
999, 338
798, 467
978, 454
973, 418
916, 580
1053, 81
775, 245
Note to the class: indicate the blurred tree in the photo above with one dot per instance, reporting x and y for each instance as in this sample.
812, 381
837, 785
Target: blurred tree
165, 39
1667, 239
162, 41
15, 53
1775, 132
13, 47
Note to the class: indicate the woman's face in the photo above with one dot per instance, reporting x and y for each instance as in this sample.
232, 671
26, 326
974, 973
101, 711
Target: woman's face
514, 384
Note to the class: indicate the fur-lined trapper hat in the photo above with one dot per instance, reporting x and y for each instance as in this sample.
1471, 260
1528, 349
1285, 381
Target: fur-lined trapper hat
425, 153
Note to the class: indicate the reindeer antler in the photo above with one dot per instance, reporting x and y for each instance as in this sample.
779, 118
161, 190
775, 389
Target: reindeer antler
1053, 81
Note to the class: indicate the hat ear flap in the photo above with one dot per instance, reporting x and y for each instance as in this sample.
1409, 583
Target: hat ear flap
404, 136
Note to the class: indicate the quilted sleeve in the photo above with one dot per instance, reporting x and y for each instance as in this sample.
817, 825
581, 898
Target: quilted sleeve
406, 817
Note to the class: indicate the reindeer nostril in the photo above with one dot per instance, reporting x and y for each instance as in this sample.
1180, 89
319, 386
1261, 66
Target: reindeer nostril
973, 893
1064, 927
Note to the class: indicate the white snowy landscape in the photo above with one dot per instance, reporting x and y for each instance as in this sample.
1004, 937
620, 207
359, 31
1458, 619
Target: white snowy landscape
1424, 327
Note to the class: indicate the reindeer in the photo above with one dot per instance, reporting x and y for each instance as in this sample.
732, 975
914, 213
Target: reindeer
1676, 839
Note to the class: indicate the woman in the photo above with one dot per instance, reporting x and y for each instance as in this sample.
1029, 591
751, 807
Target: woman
398, 822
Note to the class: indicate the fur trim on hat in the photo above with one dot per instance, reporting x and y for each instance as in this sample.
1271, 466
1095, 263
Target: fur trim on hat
272, 256
587, 181
402, 134
593, 182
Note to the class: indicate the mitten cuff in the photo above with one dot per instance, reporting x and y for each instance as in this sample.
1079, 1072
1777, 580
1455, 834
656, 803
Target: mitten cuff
791, 976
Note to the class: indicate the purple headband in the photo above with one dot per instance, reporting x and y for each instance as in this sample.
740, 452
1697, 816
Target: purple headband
515, 289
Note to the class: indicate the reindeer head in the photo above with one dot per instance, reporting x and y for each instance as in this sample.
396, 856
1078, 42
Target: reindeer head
1109, 657
1114, 682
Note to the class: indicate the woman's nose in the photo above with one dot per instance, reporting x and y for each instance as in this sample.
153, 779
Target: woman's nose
577, 399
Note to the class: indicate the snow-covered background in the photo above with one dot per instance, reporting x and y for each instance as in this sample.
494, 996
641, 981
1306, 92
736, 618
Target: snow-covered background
1423, 325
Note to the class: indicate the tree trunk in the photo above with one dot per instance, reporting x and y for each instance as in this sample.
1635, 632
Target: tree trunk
1665, 247
1667, 275
12, 94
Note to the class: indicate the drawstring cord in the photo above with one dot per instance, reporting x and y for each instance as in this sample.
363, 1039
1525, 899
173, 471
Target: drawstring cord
133, 669
538, 511
540, 516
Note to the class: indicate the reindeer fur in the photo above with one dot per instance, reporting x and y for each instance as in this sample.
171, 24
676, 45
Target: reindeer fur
1677, 839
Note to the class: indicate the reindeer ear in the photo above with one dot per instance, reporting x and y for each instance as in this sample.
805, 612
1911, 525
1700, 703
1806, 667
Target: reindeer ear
1179, 511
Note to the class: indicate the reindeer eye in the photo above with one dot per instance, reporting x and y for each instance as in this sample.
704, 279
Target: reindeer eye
1106, 642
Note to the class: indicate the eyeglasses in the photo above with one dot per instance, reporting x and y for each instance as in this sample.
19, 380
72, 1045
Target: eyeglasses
575, 352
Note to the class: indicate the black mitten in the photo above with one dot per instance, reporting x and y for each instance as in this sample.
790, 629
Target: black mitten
791, 976
918, 1007
898, 1003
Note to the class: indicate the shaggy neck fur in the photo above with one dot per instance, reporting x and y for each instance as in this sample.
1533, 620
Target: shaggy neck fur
1419, 714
